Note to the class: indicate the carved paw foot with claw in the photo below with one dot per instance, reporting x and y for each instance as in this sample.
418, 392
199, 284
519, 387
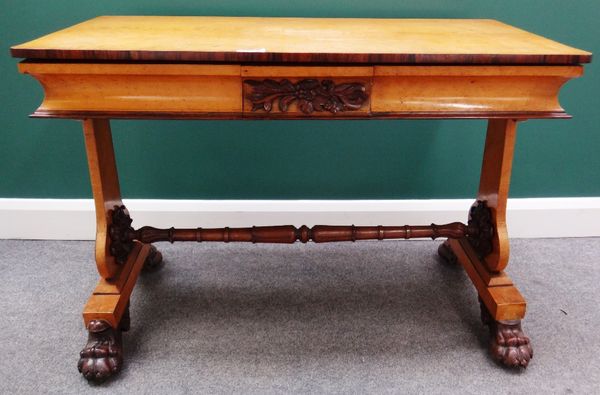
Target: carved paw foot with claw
154, 261
508, 343
102, 356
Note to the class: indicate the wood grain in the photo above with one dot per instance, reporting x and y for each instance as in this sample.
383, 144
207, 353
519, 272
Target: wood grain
502, 299
105, 188
166, 91
154, 88
447, 89
117, 284
494, 185
111, 306
303, 40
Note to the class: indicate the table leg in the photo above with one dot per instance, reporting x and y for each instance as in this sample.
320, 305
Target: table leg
106, 313
502, 305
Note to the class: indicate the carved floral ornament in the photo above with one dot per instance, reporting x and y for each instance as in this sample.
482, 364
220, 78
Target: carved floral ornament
481, 228
310, 94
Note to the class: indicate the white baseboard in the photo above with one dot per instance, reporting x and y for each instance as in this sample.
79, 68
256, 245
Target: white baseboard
73, 219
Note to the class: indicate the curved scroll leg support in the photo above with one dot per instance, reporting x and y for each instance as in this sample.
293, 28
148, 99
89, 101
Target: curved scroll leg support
508, 343
102, 356
154, 261
445, 252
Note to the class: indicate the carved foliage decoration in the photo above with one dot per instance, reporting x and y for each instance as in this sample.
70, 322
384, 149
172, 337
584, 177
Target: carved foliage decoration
121, 234
310, 94
481, 228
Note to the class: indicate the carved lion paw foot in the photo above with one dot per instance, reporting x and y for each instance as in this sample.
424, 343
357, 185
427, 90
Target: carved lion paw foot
509, 345
154, 261
446, 253
102, 356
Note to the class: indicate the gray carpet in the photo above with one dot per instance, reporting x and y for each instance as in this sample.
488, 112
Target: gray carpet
369, 317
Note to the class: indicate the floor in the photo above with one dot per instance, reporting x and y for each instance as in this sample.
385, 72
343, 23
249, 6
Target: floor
345, 318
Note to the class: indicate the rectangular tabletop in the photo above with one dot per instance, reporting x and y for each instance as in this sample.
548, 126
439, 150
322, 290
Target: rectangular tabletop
304, 40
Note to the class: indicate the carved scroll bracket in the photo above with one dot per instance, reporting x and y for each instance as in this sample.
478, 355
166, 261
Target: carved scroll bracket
310, 94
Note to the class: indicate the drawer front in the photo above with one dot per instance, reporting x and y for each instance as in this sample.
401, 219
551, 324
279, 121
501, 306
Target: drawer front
137, 90
298, 92
469, 91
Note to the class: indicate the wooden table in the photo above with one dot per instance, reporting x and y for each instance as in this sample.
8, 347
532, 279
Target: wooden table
294, 68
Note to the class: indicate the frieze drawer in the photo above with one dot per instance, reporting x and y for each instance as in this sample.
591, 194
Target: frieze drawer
274, 91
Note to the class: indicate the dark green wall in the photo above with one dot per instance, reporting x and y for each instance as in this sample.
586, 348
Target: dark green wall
304, 159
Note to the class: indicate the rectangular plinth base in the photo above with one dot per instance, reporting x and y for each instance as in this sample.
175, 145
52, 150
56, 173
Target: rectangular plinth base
502, 299
111, 297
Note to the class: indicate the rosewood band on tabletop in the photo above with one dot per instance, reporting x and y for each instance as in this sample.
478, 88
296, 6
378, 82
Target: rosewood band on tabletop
309, 58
